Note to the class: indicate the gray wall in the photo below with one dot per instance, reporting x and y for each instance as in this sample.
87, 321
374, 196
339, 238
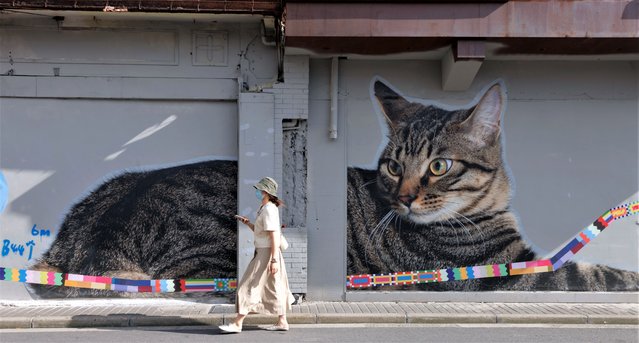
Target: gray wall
326, 218
97, 94
570, 137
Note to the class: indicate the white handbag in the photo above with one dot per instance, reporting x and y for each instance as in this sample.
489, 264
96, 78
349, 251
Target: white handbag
283, 242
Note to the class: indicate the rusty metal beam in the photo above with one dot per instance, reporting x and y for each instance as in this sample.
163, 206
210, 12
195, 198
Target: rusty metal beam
520, 19
267, 7
398, 1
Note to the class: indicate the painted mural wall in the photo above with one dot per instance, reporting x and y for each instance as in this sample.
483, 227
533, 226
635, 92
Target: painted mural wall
120, 164
509, 171
131, 190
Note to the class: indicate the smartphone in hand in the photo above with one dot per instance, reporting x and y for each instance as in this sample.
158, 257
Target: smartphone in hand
243, 220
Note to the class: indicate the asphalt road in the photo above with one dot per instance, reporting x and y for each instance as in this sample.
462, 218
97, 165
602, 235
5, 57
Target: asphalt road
338, 333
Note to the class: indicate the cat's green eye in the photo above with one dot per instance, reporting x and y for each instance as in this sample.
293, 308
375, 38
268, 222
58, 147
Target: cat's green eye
440, 166
394, 168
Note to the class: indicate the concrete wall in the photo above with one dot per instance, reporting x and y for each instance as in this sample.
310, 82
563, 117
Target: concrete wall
90, 97
326, 218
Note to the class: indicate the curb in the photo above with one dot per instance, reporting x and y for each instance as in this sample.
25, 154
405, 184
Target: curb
351, 318
508, 318
451, 318
127, 320
15, 323
607, 319
211, 319
80, 321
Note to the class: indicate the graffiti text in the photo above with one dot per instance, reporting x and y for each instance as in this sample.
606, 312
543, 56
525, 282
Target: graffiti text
17, 249
39, 232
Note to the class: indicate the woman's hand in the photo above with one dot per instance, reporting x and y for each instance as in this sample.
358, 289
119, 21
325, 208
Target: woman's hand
244, 221
273, 268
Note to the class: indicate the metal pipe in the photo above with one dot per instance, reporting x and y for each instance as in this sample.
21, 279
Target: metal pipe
332, 131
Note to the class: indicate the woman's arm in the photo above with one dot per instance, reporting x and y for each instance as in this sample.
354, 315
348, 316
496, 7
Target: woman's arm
275, 248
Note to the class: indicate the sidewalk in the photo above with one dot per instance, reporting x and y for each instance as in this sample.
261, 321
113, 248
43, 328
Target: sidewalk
169, 312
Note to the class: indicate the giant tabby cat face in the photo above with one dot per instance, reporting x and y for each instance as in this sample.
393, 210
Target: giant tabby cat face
440, 164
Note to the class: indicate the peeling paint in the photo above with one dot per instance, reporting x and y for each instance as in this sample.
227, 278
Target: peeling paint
294, 173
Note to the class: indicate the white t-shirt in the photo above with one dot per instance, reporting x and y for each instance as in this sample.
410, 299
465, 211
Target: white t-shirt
268, 219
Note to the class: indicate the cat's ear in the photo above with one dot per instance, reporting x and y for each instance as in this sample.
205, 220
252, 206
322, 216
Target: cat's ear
483, 124
393, 105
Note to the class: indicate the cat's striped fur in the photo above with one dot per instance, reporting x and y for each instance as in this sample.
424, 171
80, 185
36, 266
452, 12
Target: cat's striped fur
406, 216
162, 224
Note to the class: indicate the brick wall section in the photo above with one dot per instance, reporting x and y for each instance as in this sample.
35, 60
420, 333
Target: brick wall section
295, 257
291, 102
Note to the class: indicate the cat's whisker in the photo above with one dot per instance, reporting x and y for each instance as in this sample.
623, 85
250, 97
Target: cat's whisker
481, 233
479, 230
371, 237
460, 223
380, 223
454, 231
383, 228
395, 217
367, 183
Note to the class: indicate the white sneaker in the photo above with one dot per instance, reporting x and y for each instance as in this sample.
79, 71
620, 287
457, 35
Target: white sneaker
230, 328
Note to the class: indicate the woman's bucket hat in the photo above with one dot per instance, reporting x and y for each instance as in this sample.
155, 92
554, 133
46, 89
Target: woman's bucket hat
267, 185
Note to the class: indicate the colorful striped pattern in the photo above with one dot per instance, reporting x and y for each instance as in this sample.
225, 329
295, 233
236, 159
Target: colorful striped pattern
352, 281
497, 270
117, 284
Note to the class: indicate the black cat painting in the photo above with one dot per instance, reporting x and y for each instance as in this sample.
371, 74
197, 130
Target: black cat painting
440, 198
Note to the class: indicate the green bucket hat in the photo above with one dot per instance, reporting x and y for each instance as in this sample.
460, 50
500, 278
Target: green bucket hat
267, 185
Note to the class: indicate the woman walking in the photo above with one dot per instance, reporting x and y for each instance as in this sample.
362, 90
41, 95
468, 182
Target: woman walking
264, 286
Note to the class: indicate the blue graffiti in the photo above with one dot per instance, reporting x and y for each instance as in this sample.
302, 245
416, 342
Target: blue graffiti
16, 249
40, 232
4, 192
9, 247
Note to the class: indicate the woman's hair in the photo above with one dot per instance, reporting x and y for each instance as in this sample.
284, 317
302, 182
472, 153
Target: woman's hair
274, 200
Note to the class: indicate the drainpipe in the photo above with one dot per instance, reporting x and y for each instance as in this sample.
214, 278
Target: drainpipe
332, 131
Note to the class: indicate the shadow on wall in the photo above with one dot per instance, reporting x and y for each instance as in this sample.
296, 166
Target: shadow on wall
631, 11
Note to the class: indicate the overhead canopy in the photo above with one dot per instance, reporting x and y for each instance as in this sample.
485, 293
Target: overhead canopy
270, 7
537, 27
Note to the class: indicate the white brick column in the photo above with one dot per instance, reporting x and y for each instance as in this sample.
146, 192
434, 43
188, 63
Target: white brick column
291, 102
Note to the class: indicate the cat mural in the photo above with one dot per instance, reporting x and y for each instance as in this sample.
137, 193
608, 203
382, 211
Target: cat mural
440, 198
162, 224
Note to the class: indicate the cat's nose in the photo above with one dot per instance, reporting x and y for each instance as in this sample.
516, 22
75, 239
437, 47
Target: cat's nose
406, 199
